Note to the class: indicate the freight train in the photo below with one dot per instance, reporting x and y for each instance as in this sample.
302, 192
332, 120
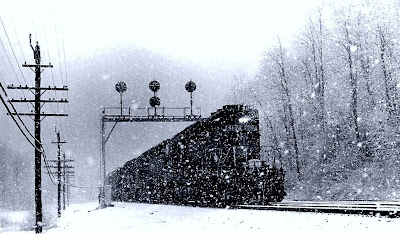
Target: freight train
214, 162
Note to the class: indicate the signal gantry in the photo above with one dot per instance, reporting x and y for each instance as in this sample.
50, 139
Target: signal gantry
148, 114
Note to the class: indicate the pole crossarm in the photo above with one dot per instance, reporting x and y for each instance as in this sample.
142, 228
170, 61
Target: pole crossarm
63, 88
61, 174
43, 114
66, 166
62, 160
36, 65
31, 100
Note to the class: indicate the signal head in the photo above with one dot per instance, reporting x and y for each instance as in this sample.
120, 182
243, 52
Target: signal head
154, 86
190, 86
154, 101
121, 87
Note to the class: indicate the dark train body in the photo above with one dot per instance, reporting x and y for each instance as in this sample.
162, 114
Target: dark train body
213, 162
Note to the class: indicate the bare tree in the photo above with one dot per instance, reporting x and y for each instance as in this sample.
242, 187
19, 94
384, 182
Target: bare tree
281, 71
313, 64
387, 59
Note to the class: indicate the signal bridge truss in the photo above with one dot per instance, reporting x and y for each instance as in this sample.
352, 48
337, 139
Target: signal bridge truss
128, 114
151, 114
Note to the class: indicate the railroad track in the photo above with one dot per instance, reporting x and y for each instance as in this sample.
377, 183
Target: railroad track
370, 208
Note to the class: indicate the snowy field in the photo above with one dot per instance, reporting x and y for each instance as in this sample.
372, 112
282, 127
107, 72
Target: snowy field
148, 218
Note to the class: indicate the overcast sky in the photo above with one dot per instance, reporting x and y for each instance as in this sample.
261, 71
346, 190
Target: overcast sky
207, 31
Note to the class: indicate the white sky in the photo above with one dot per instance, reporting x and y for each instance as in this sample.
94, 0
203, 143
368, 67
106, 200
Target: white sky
206, 31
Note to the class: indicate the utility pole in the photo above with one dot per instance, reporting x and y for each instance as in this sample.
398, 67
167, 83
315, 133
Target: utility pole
68, 189
63, 185
37, 91
64, 173
59, 143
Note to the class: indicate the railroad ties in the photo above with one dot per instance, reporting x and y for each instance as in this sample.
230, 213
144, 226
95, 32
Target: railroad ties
370, 208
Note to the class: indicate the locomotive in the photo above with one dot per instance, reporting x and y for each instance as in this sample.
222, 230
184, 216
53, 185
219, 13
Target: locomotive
214, 162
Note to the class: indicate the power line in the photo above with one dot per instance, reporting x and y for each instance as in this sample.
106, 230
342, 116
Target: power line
15, 121
66, 78
26, 137
65, 60
9, 60
66, 124
12, 50
51, 71
12, 67
47, 166
58, 51
23, 133
19, 43
19, 117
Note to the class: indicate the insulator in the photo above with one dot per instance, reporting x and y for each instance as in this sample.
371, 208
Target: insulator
154, 101
190, 86
154, 86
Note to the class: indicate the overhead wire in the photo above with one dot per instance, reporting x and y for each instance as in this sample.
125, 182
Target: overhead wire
58, 50
23, 133
16, 112
11, 64
20, 46
27, 138
9, 60
42, 150
67, 84
15, 121
57, 35
53, 82
47, 166
15, 57
51, 71
19, 43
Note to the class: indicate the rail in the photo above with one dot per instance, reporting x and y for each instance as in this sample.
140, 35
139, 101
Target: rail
370, 208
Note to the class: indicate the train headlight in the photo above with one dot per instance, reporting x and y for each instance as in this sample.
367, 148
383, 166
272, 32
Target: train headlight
244, 119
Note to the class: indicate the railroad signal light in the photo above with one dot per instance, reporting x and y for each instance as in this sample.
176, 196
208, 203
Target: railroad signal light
154, 101
121, 87
154, 86
190, 87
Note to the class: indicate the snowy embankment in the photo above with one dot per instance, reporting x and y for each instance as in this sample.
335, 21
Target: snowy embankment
149, 218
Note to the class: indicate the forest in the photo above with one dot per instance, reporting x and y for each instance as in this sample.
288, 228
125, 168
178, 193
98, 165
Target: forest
329, 102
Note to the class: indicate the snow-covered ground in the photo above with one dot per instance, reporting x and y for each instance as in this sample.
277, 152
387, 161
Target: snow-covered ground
149, 218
